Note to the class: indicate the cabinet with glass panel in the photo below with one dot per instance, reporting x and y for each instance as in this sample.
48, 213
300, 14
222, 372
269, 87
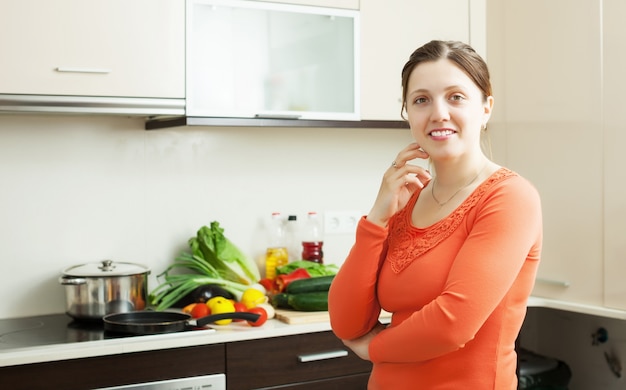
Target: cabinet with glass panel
252, 59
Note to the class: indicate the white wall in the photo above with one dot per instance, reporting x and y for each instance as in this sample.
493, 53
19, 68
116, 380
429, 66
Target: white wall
78, 189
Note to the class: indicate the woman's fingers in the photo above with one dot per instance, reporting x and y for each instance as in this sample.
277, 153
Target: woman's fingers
400, 180
410, 174
411, 152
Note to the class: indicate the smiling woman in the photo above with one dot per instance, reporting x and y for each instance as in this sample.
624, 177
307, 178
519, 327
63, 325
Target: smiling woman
452, 253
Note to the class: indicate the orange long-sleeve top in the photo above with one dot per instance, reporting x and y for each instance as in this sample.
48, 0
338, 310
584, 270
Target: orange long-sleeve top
457, 290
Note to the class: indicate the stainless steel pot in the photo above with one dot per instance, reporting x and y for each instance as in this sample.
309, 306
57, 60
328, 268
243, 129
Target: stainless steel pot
94, 290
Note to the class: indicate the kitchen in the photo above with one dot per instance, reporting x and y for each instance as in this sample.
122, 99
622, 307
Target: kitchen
80, 188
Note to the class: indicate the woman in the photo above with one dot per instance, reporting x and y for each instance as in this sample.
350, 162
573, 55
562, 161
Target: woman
452, 256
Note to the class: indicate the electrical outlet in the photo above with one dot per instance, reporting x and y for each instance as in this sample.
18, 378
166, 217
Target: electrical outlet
340, 222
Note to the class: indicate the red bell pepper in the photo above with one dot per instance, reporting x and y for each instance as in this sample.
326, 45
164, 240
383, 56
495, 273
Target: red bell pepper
282, 281
269, 284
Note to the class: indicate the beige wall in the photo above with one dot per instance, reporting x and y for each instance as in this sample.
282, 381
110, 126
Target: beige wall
79, 189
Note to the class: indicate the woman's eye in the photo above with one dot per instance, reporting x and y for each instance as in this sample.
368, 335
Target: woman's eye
457, 97
420, 100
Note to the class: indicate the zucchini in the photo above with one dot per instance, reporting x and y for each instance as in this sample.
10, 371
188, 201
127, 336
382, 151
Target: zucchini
280, 301
309, 301
319, 283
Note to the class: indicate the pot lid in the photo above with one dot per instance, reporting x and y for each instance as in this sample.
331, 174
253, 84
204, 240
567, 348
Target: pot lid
106, 268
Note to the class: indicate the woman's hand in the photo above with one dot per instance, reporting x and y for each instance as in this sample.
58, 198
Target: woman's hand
399, 182
361, 345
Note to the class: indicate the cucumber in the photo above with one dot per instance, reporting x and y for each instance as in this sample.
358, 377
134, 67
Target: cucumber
280, 301
308, 301
319, 283
309, 294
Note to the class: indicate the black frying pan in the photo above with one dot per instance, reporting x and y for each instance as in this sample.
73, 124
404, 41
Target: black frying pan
156, 322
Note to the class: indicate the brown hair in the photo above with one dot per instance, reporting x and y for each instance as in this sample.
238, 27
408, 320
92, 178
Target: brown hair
462, 54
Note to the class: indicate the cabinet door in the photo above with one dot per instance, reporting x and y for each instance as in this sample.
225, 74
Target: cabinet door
390, 31
614, 63
112, 48
292, 361
548, 114
256, 59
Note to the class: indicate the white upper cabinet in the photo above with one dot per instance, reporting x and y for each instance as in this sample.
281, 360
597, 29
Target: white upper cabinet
103, 48
252, 59
391, 30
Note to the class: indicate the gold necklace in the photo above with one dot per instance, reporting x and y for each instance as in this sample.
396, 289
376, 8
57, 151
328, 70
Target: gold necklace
441, 204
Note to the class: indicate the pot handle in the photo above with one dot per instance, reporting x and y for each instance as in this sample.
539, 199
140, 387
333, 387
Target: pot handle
69, 280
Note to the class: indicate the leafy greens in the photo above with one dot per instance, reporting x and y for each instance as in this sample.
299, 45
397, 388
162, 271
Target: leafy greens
214, 259
314, 269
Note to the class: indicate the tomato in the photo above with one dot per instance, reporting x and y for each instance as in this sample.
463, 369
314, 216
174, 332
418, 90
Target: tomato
271, 312
261, 312
200, 310
239, 308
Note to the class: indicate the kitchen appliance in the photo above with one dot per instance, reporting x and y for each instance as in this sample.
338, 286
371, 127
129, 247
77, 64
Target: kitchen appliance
95, 289
36, 331
51, 329
205, 382
537, 372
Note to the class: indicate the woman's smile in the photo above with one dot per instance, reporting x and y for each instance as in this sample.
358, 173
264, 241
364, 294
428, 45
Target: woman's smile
441, 134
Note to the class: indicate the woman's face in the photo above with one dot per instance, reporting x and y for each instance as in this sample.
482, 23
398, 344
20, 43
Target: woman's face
445, 109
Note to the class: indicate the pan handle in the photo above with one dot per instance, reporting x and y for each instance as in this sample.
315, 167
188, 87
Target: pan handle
224, 316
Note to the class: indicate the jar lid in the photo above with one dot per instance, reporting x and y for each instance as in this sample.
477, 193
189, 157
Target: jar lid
106, 268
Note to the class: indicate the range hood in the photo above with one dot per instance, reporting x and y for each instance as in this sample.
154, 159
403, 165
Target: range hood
149, 107
168, 122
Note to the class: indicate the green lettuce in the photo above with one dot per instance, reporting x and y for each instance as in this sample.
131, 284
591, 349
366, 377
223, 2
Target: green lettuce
230, 262
214, 259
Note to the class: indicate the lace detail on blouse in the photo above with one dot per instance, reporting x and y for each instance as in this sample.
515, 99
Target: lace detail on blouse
407, 243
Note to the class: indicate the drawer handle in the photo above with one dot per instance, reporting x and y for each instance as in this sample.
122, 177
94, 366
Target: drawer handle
559, 283
312, 357
82, 70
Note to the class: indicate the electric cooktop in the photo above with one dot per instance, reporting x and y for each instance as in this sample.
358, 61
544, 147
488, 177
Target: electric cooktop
50, 329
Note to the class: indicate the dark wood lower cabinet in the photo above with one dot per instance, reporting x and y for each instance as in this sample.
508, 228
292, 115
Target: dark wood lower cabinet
302, 362
310, 361
115, 370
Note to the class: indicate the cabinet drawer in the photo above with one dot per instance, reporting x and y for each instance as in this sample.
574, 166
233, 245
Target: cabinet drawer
290, 359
